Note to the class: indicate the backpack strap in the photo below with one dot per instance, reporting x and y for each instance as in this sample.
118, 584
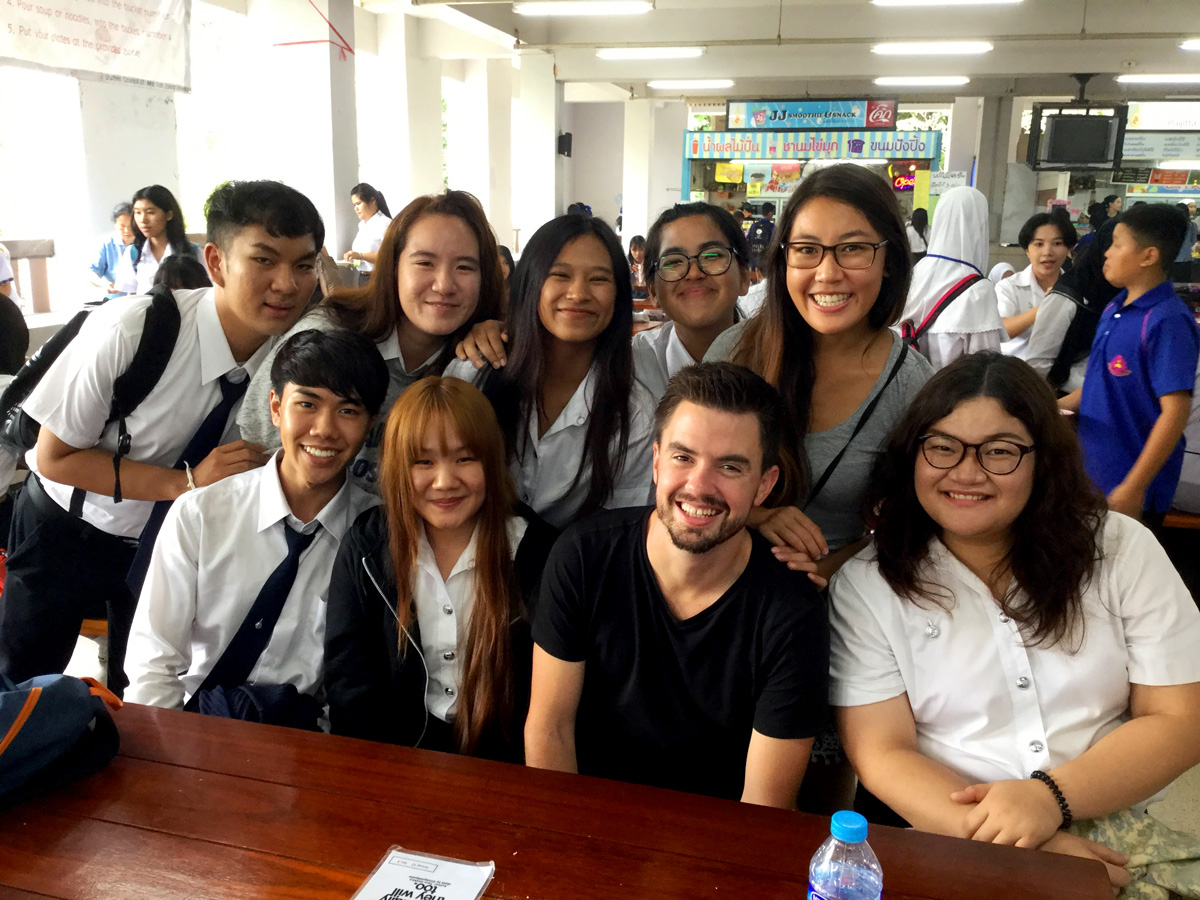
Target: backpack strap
912, 334
131, 387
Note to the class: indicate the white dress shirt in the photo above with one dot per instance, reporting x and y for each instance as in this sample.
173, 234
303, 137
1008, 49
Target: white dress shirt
544, 474
217, 548
138, 280
986, 705
443, 615
1055, 315
370, 238
657, 355
74, 396
1015, 295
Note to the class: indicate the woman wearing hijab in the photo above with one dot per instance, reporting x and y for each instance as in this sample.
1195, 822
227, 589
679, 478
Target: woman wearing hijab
1062, 334
1000, 271
958, 250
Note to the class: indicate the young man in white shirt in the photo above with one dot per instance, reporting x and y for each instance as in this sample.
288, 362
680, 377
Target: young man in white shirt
1047, 245
220, 546
671, 647
72, 542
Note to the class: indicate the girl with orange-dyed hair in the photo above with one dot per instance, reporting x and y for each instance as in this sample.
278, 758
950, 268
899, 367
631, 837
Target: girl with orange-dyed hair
427, 641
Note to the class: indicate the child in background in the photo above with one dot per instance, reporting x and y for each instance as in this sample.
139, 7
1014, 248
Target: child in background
1136, 395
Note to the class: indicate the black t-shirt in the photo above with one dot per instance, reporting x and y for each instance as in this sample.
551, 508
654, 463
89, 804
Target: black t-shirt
672, 703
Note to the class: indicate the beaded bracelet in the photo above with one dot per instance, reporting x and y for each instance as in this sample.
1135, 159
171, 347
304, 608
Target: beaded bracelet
1067, 817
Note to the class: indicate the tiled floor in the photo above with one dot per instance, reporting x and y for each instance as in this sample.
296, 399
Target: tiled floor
1180, 809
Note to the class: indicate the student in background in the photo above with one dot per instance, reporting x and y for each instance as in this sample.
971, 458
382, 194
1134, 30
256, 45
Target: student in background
1000, 272
671, 648
916, 230
1046, 245
438, 272
958, 249
373, 219
760, 236
262, 250
14, 333
104, 269
427, 642
1137, 392
965, 656
158, 232
577, 425
182, 273
258, 548
507, 268
1181, 268
637, 266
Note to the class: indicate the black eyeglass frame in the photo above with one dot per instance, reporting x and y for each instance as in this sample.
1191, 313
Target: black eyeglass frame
657, 269
825, 248
1025, 449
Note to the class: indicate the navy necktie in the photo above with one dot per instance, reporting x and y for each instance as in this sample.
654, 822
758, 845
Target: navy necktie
237, 662
206, 439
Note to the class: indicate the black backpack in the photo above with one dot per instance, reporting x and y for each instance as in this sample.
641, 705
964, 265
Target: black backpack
131, 387
759, 238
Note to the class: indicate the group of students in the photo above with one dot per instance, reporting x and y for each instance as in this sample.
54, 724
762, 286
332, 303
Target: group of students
453, 515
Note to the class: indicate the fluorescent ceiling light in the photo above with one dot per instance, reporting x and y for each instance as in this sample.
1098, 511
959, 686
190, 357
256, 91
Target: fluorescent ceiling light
583, 7
1193, 44
922, 80
1179, 164
944, 2
1193, 78
650, 52
932, 48
690, 84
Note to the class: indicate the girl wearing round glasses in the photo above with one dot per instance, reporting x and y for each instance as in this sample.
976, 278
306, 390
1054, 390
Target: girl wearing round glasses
837, 280
1003, 623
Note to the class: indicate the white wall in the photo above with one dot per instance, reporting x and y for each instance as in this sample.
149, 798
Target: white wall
596, 157
670, 122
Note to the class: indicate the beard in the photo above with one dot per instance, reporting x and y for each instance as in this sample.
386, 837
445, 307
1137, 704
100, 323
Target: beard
691, 539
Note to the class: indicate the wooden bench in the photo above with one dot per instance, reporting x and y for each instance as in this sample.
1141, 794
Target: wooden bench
36, 287
1178, 519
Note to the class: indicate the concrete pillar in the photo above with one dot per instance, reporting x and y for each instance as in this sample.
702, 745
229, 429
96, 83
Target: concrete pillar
992, 168
479, 140
423, 123
534, 144
308, 128
962, 143
635, 180
666, 163
499, 148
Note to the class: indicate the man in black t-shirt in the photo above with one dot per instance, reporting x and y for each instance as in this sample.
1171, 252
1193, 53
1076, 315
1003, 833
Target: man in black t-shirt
672, 648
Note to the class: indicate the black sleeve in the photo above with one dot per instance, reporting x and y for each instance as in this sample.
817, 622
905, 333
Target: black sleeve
794, 701
560, 618
357, 673
531, 556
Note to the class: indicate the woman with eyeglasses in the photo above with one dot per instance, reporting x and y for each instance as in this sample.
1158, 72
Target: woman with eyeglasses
1011, 662
837, 279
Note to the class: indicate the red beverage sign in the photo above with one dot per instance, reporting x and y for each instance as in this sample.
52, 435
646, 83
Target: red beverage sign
1169, 176
881, 113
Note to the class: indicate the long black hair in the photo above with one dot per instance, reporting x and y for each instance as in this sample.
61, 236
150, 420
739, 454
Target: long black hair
920, 221
1086, 287
176, 233
368, 194
516, 390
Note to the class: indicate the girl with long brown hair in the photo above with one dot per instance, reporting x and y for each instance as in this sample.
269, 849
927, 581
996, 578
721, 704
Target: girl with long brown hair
437, 272
427, 641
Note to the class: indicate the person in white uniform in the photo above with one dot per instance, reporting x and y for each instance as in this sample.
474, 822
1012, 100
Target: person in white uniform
578, 425
158, 232
373, 220
213, 573
958, 248
1047, 246
1010, 661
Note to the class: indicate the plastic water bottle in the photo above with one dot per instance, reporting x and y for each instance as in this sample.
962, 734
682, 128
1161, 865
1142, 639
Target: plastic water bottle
845, 867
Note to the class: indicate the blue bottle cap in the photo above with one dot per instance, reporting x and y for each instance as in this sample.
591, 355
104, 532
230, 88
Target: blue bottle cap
848, 826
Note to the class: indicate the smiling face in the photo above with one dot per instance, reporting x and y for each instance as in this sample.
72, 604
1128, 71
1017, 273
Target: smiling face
364, 209
448, 480
438, 275
1046, 252
579, 294
968, 502
321, 434
708, 475
151, 221
833, 300
698, 301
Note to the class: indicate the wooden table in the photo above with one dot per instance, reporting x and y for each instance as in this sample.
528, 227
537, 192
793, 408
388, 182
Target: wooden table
196, 807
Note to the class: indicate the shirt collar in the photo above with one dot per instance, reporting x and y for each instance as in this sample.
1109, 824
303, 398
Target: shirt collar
273, 507
389, 349
427, 561
216, 359
1152, 297
676, 354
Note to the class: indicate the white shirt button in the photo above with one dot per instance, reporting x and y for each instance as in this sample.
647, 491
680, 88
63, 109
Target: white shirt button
1004, 620
1034, 746
448, 609
449, 692
1117, 316
1023, 683
448, 655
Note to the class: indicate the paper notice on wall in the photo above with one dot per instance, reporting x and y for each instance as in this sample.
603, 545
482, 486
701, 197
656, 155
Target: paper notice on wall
136, 40
729, 173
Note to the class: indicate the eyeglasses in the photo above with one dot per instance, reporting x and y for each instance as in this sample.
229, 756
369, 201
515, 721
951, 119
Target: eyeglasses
848, 255
997, 457
710, 261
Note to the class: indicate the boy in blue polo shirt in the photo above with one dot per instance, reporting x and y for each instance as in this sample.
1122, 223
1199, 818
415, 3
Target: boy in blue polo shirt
1137, 392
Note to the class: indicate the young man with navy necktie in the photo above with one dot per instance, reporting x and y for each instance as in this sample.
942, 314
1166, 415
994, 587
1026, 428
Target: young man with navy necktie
95, 482
231, 619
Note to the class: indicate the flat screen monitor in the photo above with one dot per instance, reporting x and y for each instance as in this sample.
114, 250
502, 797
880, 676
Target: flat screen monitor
1088, 139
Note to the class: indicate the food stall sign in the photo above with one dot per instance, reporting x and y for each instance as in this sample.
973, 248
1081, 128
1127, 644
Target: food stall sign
780, 115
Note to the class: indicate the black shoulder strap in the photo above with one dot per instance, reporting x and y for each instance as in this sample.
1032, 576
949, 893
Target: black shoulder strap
829, 469
912, 333
31, 373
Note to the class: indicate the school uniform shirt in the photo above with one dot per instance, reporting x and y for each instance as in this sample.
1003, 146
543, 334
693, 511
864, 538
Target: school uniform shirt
217, 548
985, 704
370, 238
139, 278
916, 243
1015, 295
443, 614
1141, 352
544, 474
1056, 312
74, 396
657, 356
